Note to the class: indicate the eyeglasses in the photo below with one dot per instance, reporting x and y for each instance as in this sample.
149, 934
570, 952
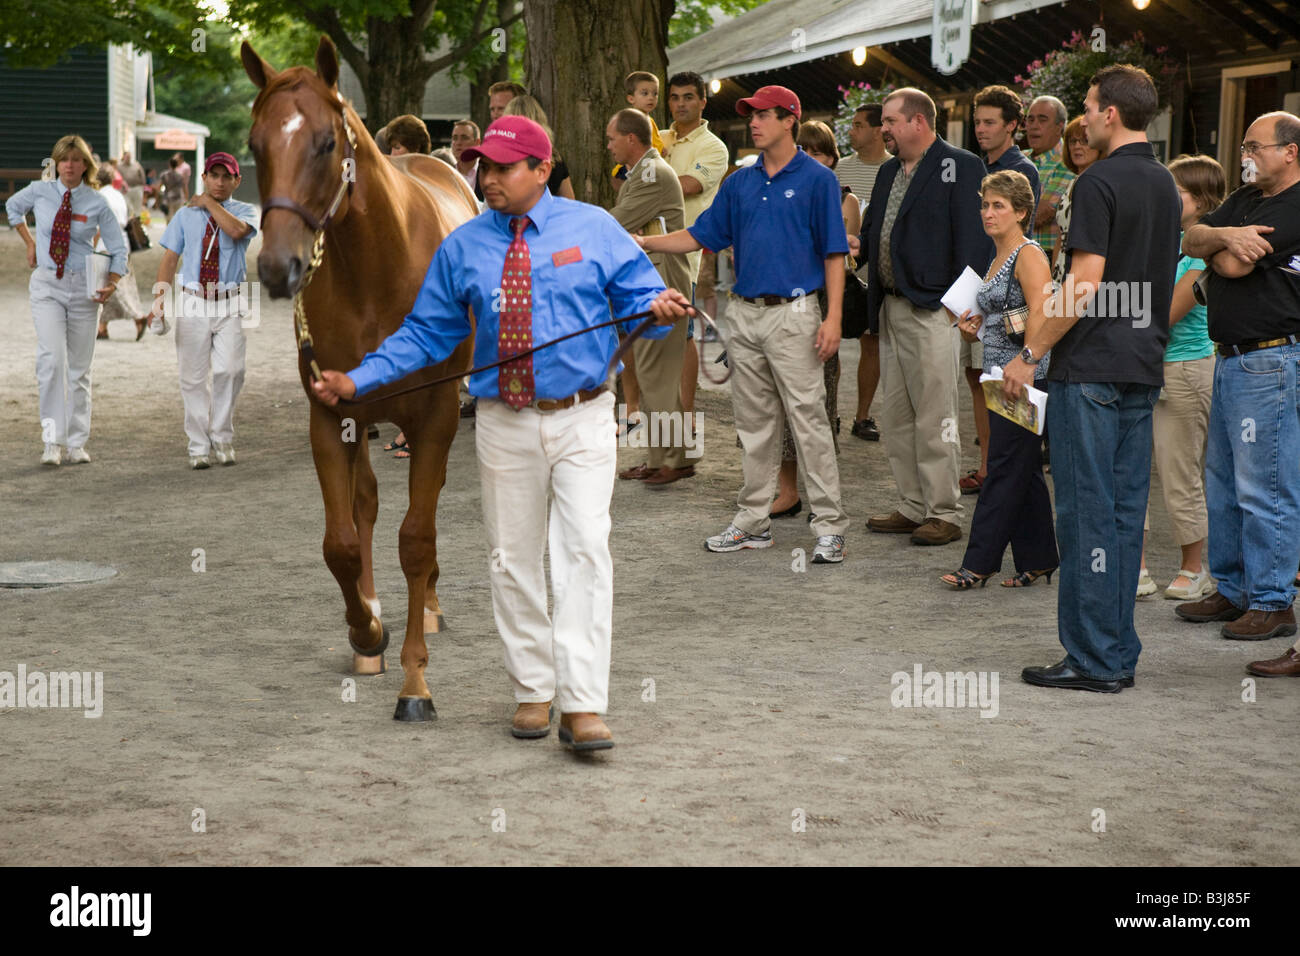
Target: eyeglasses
1252, 149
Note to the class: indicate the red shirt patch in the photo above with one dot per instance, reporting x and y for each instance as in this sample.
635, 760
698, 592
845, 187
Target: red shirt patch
565, 256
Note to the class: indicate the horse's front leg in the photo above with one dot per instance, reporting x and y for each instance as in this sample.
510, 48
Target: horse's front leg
417, 548
335, 463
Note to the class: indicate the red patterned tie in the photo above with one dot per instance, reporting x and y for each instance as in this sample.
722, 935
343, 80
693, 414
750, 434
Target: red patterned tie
515, 379
61, 233
210, 268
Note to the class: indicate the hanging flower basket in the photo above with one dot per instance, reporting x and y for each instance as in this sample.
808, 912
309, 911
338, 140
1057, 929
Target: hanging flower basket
1064, 73
853, 96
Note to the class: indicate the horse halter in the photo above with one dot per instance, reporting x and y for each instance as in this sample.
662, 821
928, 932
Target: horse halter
318, 226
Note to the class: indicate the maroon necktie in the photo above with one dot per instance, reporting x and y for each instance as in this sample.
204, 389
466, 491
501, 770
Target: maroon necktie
61, 233
210, 268
515, 379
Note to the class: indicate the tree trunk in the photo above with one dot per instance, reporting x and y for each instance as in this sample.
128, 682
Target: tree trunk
577, 73
398, 73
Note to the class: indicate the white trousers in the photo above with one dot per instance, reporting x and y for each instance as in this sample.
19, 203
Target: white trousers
65, 319
572, 454
209, 338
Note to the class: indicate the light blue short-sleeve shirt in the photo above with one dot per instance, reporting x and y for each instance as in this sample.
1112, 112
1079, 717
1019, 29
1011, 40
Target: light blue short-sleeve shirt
184, 236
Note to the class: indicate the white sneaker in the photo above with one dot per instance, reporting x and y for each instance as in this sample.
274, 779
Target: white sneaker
199, 462
829, 550
77, 456
52, 455
225, 452
1200, 585
1145, 584
158, 325
733, 539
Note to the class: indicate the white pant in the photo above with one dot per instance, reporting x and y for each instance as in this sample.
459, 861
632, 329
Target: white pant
209, 337
65, 319
572, 454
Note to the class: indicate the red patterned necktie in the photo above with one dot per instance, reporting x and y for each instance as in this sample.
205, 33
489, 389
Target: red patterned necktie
61, 233
210, 268
515, 379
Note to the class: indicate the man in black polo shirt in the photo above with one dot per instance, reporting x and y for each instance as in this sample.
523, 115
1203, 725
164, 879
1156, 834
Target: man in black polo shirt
1107, 328
1252, 464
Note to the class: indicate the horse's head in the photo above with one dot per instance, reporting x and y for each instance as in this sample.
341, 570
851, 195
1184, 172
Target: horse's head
298, 140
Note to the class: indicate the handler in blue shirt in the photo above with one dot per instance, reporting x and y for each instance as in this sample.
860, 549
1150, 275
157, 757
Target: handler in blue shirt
782, 219
533, 267
209, 237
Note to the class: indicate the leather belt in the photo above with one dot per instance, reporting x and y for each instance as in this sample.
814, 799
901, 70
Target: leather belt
556, 404
1229, 350
767, 299
225, 296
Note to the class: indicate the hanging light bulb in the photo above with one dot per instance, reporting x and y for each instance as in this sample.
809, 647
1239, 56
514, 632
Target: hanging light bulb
859, 55
1141, 4
715, 86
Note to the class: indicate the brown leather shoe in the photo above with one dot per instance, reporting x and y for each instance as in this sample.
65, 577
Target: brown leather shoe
666, 476
532, 720
638, 473
936, 531
585, 732
1214, 607
1288, 665
1261, 625
892, 523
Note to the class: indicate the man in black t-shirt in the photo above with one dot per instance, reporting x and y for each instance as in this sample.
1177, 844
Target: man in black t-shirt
1252, 463
1107, 328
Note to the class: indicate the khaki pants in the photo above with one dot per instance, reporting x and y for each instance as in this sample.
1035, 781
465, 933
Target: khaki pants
918, 409
774, 366
659, 375
1180, 424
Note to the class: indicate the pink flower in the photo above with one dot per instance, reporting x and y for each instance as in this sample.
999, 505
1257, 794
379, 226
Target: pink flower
1161, 49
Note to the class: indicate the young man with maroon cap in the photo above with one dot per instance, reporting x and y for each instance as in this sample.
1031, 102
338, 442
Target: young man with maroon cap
533, 267
212, 233
781, 216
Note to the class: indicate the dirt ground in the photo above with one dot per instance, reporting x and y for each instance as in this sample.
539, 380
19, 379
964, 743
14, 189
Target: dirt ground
771, 700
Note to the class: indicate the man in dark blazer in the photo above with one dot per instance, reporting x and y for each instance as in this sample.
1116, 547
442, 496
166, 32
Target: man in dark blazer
921, 229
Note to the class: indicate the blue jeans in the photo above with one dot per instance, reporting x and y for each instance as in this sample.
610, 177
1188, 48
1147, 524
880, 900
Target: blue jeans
1101, 468
1252, 477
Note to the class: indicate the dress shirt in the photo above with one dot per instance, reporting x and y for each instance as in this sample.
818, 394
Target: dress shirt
90, 212
583, 262
184, 236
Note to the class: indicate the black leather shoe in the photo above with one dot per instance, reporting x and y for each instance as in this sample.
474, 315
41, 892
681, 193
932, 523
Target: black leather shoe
1064, 676
1128, 681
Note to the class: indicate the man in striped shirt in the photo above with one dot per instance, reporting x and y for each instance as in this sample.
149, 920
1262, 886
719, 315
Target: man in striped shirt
1044, 124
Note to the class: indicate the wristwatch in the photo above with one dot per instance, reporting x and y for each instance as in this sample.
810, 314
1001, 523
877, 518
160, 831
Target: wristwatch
1027, 356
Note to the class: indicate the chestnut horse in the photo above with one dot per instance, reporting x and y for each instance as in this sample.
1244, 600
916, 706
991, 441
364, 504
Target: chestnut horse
322, 178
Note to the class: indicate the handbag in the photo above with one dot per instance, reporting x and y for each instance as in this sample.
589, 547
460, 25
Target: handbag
136, 237
1013, 320
854, 310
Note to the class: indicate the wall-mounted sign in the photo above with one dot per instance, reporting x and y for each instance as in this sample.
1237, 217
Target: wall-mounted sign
950, 35
175, 139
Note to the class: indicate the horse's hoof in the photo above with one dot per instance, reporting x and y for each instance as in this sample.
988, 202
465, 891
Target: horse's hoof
368, 666
414, 709
374, 652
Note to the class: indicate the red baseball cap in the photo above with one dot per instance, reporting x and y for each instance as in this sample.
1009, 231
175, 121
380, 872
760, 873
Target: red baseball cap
510, 139
222, 159
768, 97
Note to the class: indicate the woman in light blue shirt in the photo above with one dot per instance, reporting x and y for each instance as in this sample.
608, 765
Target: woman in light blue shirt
1180, 422
69, 212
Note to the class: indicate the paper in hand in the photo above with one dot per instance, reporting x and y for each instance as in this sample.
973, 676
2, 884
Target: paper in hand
961, 295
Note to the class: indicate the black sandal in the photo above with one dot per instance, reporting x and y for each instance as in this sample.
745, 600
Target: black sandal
1026, 578
964, 580
396, 445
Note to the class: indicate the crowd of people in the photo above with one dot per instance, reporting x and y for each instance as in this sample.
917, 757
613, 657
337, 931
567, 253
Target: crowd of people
1160, 315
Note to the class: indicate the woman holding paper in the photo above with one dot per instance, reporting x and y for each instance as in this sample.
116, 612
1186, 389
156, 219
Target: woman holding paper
68, 213
1014, 506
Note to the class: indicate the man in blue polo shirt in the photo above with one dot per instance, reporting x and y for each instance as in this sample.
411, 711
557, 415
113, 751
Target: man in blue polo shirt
782, 219
532, 268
